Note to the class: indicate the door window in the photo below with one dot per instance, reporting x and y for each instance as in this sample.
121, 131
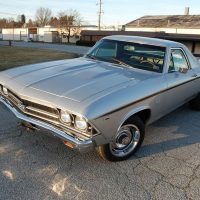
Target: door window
178, 61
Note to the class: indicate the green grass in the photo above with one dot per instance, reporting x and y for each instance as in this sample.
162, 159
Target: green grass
17, 56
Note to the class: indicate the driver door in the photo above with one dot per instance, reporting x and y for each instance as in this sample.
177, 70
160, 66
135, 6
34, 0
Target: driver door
180, 80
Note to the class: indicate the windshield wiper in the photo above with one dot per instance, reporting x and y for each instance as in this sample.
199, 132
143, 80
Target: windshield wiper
120, 62
91, 57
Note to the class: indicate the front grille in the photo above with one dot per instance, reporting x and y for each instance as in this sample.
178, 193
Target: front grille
47, 114
41, 107
14, 99
40, 111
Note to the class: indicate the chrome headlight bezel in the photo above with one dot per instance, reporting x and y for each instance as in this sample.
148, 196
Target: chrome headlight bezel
78, 123
81, 123
65, 117
5, 91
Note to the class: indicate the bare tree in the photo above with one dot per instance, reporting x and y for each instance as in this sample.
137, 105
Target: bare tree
69, 23
43, 16
30, 23
11, 23
3, 23
54, 22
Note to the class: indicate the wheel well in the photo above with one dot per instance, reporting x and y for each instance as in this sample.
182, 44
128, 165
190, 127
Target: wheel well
144, 115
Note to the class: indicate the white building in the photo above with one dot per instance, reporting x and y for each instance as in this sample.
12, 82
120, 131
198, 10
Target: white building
42, 34
14, 33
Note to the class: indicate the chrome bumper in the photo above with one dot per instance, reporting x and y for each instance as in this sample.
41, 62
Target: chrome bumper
82, 146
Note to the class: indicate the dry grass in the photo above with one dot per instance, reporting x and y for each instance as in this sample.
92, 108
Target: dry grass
17, 56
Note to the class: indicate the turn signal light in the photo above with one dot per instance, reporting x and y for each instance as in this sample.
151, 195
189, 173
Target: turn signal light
68, 144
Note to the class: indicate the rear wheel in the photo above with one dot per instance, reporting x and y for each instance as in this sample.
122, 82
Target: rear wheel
126, 142
195, 103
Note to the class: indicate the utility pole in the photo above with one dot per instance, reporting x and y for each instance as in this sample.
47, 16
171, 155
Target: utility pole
100, 13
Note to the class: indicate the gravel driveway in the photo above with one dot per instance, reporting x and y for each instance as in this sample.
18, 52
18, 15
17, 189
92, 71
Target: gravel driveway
34, 165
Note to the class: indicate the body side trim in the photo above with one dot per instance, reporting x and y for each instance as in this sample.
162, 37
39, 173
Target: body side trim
149, 96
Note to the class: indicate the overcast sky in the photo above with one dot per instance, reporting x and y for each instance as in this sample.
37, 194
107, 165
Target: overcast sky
115, 11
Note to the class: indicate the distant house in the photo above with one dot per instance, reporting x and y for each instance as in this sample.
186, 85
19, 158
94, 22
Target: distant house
182, 24
76, 35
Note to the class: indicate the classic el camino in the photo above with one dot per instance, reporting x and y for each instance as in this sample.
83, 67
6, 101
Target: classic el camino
104, 99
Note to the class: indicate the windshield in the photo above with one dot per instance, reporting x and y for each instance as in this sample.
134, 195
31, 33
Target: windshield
141, 56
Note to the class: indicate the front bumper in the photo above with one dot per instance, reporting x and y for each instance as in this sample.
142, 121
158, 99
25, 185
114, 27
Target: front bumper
82, 146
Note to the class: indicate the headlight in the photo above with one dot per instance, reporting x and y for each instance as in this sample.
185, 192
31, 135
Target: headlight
5, 91
65, 117
81, 123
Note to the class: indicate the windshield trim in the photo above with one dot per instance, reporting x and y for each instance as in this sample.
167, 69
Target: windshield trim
124, 64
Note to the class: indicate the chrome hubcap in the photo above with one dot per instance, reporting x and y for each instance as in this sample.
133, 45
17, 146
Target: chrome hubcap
126, 140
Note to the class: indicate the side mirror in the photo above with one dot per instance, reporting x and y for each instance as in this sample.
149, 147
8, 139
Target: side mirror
183, 70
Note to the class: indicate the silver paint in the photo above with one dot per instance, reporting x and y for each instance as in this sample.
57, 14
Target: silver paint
106, 94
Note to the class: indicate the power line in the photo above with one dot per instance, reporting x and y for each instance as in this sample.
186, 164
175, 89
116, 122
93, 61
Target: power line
6, 13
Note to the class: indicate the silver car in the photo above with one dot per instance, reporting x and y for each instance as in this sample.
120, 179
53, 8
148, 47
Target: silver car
104, 99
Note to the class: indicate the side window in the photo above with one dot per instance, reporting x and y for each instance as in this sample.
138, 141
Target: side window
178, 61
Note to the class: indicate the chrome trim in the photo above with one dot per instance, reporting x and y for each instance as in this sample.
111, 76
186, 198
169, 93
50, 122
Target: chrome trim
84, 130
51, 117
125, 141
82, 146
42, 112
186, 57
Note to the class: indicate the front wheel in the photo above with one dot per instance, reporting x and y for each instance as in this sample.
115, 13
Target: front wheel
195, 103
126, 142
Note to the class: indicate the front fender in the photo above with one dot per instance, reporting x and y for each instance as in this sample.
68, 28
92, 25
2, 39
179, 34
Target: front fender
131, 113
110, 124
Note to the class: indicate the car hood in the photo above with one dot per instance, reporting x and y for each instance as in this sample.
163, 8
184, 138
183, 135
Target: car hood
76, 79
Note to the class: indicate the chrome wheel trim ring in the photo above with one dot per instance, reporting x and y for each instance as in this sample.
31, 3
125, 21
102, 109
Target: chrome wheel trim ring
126, 140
